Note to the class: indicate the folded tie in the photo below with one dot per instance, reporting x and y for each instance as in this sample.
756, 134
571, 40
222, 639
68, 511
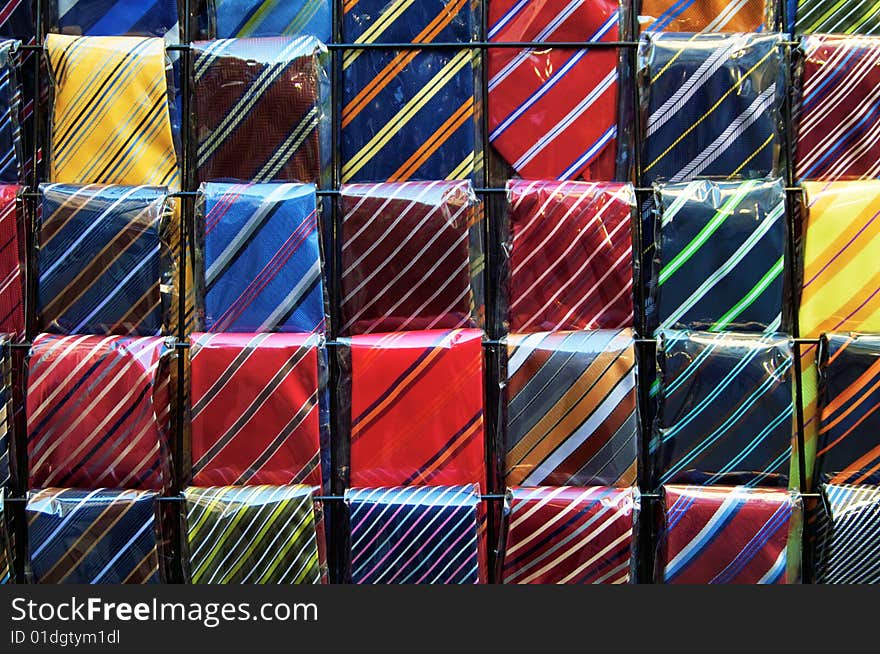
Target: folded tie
720, 256
713, 104
11, 150
553, 112
416, 408
258, 109
726, 414
262, 258
6, 411
11, 274
6, 570
256, 409
226, 19
409, 114
255, 535
848, 548
848, 448
93, 536
416, 535
706, 15
571, 256
730, 535
17, 23
115, 17
98, 412
412, 257
835, 16
571, 409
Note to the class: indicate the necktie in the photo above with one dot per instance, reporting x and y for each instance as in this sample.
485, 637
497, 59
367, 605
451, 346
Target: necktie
5, 545
98, 412
417, 535
836, 16
571, 256
840, 109
411, 257
255, 535
571, 409
416, 408
553, 112
6, 411
262, 258
713, 106
93, 536
721, 256
729, 535
706, 15
258, 109
248, 18
848, 548
726, 414
17, 23
848, 448
569, 536
256, 409
104, 258
409, 114
11, 275
11, 152
116, 17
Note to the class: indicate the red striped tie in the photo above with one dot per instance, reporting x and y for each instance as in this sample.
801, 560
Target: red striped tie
11, 282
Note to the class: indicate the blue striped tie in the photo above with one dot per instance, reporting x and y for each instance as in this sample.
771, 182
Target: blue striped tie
11, 152
848, 550
249, 18
5, 544
116, 17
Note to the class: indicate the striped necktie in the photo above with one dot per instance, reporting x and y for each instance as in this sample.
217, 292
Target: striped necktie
409, 114
416, 408
706, 15
255, 535
416, 535
104, 258
836, 16
720, 256
6, 568
848, 448
115, 17
98, 412
553, 112
255, 409
93, 536
569, 536
726, 414
11, 274
840, 109
571, 256
571, 409
262, 258
11, 150
258, 109
17, 23
713, 105
411, 257
227, 19
730, 535
6, 411
848, 549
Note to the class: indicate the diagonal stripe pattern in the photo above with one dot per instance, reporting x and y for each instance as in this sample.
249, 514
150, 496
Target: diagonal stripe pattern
848, 548
702, 16
571, 255
17, 23
415, 535
713, 104
571, 409
835, 16
227, 19
412, 257
11, 149
6, 412
255, 409
11, 272
98, 411
93, 536
720, 255
116, 17
255, 535
5, 544
262, 258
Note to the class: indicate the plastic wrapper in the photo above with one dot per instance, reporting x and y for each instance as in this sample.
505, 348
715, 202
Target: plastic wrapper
255, 535
227, 19
731, 535
834, 17
848, 448
93, 536
416, 535
848, 543
258, 409
11, 151
412, 257
105, 261
707, 16
553, 112
410, 114
572, 417
726, 410
569, 535
98, 411
260, 109
6, 413
838, 118
17, 23
11, 254
720, 252
711, 105
570, 256
115, 18
416, 408
261, 264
